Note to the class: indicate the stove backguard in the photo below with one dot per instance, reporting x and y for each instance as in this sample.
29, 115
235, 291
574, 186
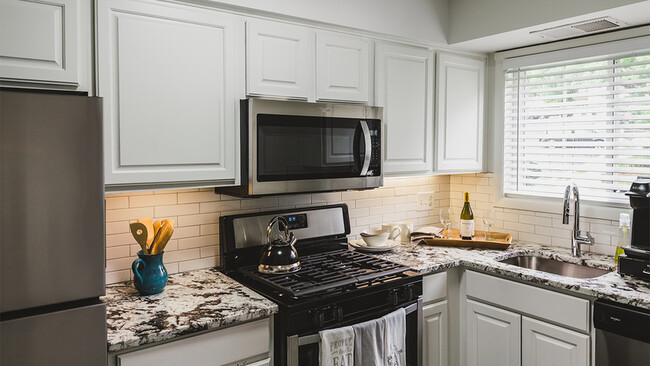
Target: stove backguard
242, 237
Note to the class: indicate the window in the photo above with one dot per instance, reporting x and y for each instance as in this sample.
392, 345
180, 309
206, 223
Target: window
585, 121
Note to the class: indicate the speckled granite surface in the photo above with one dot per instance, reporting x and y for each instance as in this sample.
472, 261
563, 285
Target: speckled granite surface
612, 286
208, 299
191, 302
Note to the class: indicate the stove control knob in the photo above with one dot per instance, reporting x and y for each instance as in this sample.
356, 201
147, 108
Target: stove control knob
339, 313
408, 293
319, 318
393, 299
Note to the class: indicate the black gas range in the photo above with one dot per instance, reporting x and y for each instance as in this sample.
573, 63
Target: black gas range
335, 286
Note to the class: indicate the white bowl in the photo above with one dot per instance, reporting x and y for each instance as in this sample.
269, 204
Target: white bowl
374, 238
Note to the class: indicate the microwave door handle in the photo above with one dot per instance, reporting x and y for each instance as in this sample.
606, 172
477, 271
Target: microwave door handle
368, 142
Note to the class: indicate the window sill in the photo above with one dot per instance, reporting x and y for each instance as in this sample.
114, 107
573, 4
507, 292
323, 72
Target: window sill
554, 206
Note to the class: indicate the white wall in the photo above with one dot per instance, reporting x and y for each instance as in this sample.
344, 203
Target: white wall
420, 20
472, 19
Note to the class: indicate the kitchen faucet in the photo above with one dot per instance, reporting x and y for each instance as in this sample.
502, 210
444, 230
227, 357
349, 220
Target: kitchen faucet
576, 238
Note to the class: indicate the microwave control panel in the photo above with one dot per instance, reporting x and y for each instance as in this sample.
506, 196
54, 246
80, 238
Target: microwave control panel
374, 169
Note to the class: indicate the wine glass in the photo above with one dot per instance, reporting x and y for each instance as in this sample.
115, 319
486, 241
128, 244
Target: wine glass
488, 221
445, 219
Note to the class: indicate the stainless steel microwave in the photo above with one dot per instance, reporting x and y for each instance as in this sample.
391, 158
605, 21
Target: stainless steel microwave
291, 147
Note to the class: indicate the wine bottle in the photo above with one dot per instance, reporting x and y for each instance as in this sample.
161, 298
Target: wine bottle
466, 220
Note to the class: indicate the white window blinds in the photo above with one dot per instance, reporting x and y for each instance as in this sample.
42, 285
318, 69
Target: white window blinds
584, 121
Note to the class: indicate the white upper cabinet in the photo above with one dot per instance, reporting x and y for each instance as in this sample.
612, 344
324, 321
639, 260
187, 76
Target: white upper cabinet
171, 81
404, 87
342, 67
460, 91
45, 44
280, 60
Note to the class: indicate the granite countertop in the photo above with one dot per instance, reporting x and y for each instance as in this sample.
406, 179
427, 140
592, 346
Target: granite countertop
612, 286
207, 299
191, 302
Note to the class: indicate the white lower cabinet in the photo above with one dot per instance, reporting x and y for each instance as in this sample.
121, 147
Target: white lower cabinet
535, 327
493, 336
246, 344
544, 344
434, 334
171, 77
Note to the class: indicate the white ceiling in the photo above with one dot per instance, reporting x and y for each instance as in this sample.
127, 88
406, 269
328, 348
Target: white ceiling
634, 15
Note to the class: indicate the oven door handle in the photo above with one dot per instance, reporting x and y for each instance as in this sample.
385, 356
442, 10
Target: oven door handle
293, 342
368, 152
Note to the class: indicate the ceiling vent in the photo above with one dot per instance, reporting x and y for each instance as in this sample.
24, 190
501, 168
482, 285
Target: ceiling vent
580, 28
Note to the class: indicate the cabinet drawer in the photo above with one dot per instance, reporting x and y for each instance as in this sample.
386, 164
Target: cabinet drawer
216, 348
563, 309
434, 287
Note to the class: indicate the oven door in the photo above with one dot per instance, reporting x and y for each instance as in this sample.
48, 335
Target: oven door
309, 153
304, 350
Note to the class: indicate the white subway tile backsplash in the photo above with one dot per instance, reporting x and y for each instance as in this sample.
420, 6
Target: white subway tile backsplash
198, 196
195, 243
220, 206
113, 203
198, 264
130, 214
266, 202
370, 202
209, 229
152, 200
176, 210
293, 200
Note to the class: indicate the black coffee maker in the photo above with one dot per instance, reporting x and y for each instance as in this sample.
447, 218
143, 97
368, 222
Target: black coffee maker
636, 260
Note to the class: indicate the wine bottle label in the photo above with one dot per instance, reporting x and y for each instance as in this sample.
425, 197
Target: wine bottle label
466, 228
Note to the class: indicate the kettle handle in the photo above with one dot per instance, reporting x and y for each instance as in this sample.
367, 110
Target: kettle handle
134, 268
276, 220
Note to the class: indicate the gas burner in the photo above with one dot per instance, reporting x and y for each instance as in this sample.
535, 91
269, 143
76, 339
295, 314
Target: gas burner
320, 273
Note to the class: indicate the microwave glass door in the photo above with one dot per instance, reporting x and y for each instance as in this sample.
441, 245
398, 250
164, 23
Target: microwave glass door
302, 147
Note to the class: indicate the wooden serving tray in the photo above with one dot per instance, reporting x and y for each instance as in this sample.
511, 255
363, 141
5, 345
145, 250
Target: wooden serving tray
499, 240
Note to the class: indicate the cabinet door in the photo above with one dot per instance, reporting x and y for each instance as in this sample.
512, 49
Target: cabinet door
544, 344
342, 67
171, 80
493, 336
460, 91
434, 337
229, 346
45, 42
280, 59
404, 87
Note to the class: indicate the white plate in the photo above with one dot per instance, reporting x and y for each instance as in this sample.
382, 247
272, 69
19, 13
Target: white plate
361, 246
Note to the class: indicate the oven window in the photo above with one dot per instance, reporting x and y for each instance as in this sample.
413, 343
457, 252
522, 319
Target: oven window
301, 147
308, 355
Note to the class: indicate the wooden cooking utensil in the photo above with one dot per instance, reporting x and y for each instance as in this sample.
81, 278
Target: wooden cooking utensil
139, 231
150, 230
156, 226
163, 236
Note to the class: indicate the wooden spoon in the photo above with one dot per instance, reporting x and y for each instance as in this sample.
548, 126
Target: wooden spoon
156, 226
139, 231
164, 234
150, 230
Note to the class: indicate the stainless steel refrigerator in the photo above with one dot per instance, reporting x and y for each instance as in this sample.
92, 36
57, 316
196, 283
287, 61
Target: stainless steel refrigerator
52, 248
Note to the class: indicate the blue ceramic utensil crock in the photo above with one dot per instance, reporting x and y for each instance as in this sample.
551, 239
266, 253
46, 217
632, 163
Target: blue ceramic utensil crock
149, 273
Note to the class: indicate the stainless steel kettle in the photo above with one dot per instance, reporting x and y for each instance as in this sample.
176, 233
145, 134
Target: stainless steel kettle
279, 256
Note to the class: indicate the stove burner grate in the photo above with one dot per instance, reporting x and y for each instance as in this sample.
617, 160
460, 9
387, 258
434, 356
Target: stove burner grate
326, 271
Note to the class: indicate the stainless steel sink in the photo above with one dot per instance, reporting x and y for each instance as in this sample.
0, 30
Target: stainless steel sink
556, 267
